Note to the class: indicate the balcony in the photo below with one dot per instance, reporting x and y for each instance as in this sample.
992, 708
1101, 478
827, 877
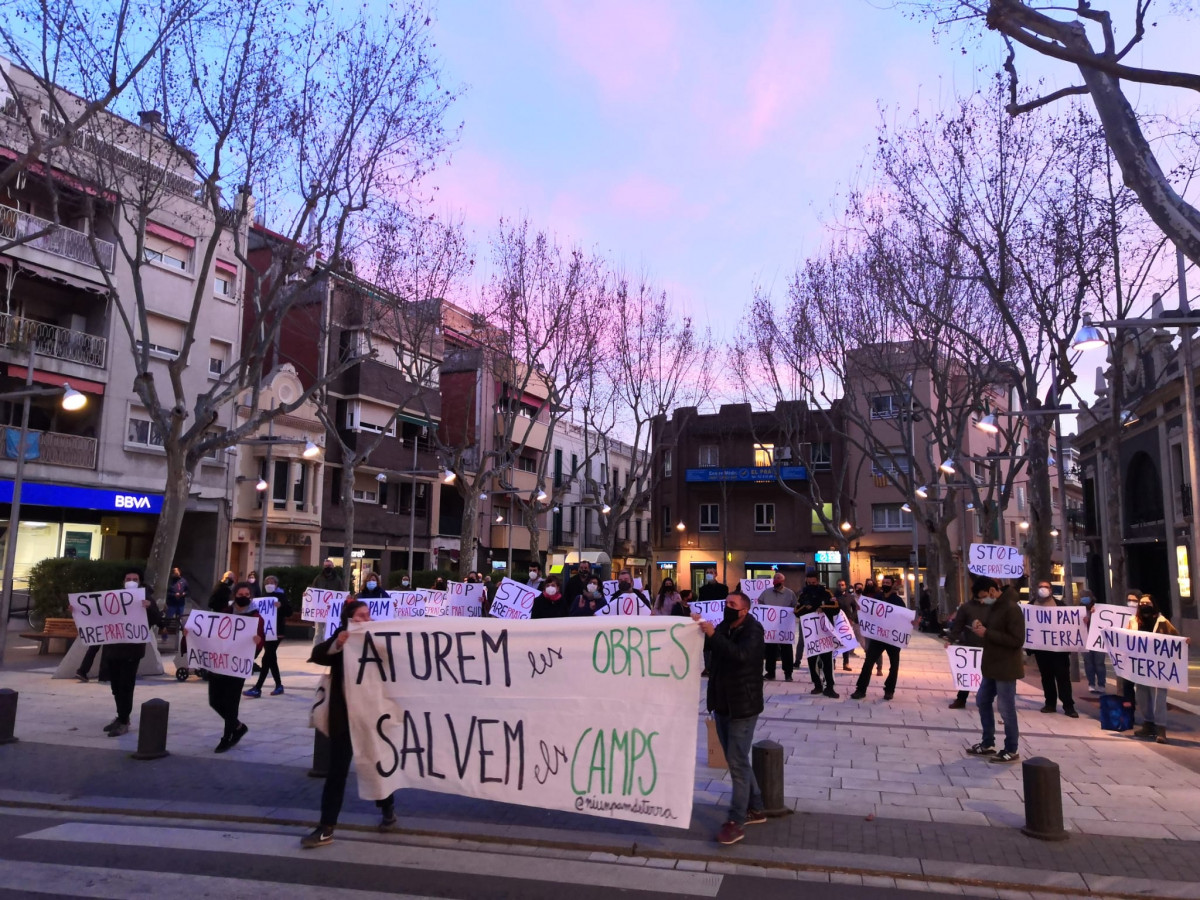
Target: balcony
56, 239
525, 431
53, 341
52, 448
518, 480
520, 537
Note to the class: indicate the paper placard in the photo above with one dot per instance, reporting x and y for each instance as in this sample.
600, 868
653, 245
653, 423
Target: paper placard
270, 616
627, 604
818, 637
1107, 615
110, 617
1056, 628
221, 642
709, 610
778, 622
513, 600
408, 604
996, 560
843, 630
964, 666
753, 587
1143, 657
315, 602
885, 622
511, 714
464, 600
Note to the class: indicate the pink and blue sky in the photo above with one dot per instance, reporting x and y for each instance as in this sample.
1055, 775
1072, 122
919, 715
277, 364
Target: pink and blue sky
702, 141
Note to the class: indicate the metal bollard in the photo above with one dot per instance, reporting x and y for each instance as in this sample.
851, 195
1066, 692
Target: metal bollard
8, 715
767, 760
152, 730
320, 765
1043, 800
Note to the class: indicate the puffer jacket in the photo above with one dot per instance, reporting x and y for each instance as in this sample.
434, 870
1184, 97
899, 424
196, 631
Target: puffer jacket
1004, 640
735, 681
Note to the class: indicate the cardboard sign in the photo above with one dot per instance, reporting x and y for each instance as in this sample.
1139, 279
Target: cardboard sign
817, 635
221, 642
996, 560
753, 587
964, 667
627, 604
1056, 628
270, 616
1143, 657
508, 711
463, 600
110, 617
1107, 615
778, 622
882, 621
513, 600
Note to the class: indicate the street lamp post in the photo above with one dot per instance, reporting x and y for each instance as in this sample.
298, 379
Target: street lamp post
311, 451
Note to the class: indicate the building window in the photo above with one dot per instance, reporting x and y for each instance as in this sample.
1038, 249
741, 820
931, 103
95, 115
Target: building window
667, 463
764, 516
164, 337
172, 258
419, 369
890, 517
710, 456
667, 524
526, 464
365, 495
223, 284
887, 406
891, 461
362, 415
1021, 497
141, 432
300, 487
710, 517
826, 525
820, 455
218, 358
764, 455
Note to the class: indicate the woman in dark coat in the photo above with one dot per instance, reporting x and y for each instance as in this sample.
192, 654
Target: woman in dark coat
549, 604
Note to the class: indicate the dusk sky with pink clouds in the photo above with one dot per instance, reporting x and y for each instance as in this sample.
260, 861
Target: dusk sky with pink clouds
701, 142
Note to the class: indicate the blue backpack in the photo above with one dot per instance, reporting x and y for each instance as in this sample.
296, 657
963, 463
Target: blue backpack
1114, 714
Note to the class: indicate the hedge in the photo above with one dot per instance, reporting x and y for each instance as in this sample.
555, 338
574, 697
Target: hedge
421, 578
294, 580
51, 579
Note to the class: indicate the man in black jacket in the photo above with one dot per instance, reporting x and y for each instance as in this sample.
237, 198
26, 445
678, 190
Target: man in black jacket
875, 651
960, 632
577, 584
735, 699
712, 589
816, 598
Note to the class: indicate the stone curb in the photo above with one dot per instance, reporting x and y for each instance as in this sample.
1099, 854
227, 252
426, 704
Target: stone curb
833, 867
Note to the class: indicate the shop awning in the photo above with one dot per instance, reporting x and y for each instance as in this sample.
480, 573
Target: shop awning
80, 384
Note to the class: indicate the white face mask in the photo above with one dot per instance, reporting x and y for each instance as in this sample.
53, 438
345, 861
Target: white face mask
132, 585
551, 591
593, 588
709, 577
987, 600
1044, 592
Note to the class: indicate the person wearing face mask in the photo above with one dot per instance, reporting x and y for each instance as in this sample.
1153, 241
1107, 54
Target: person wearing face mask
1128, 689
1054, 666
666, 599
1001, 666
975, 609
122, 661
625, 586
870, 589
577, 583
371, 588
815, 597
328, 579
877, 648
225, 691
550, 603
589, 601
405, 583
252, 580
534, 580
270, 657
1151, 700
1095, 662
735, 699
779, 594
712, 589
218, 600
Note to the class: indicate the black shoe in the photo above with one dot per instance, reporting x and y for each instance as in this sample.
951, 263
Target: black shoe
113, 724
982, 749
1048, 709
318, 837
817, 689
388, 818
82, 677
957, 704
1070, 713
1005, 757
887, 695
787, 676
238, 733
770, 676
858, 695
223, 745
830, 692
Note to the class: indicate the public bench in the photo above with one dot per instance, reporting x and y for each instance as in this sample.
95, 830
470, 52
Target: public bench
53, 630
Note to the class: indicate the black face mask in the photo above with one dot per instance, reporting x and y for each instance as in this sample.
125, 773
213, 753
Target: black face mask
1147, 614
241, 601
731, 615
327, 569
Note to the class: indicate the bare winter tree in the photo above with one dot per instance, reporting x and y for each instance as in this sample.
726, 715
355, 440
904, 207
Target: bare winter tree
1084, 36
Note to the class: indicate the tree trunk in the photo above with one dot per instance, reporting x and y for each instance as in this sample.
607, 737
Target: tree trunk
348, 466
1112, 525
535, 538
468, 539
947, 591
170, 521
1041, 518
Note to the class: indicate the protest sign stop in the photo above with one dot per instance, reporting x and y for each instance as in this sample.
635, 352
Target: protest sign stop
995, 560
110, 617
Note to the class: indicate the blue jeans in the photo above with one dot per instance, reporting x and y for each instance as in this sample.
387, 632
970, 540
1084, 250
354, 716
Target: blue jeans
737, 737
1094, 666
1005, 694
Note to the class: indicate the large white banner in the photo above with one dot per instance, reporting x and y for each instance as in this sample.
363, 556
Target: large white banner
964, 666
1143, 657
996, 560
270, 616
584, 714
1056, 628
110, 617
221, 642
464, 600
885, 622
753, 587
817, 634
1106, 615
513, 600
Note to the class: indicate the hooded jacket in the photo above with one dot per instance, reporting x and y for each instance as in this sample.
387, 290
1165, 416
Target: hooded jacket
1004, 639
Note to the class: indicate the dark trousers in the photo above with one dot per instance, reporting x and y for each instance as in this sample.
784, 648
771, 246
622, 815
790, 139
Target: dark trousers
874, 654
820, 666
963, 696
88, 659
1055, 669
225, 698
269, 663
341, 751
122, 676
773, 653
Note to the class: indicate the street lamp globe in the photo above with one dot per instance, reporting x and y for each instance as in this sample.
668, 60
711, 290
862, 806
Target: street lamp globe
311, 450
72, 400
988, 424
1088, 337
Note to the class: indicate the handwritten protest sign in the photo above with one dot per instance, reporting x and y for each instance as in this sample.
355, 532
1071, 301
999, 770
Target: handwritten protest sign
408, 604
508, 711
844, 632
778, 622
315, 603
885, 622
1056, 628
464, 600
110, 617
221, 642
513, 600
753, 587
627, 604
1143, 657
270, 616
1106, 615
709, 610
996, 560
817, 634
964, 666
435, 602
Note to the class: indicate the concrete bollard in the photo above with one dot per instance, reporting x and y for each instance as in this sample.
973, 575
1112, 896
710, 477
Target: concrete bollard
320, 765
1043, 800
152, 730
8, 715
767, 760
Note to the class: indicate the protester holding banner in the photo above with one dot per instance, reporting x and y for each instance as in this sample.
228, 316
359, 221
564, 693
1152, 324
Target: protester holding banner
122, 661
1053, 665
972, 610
735, 699
887, 594
779, 594
549, 603
270, 658
225, 691
625, 586
666, 599
590, 600
815, 597
1002, 666
1151, 700
341, 751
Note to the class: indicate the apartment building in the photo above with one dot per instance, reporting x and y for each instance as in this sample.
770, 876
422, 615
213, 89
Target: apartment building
93, 478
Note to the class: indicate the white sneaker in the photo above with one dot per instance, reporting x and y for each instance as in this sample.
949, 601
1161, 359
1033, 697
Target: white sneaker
1093, 689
